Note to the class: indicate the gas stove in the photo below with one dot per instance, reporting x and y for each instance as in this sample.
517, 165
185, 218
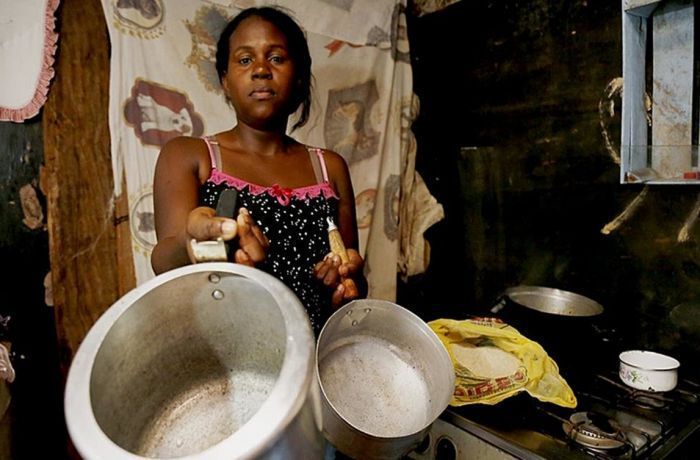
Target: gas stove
611, 421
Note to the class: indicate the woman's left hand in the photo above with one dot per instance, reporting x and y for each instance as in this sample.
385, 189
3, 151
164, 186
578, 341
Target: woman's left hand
335, 274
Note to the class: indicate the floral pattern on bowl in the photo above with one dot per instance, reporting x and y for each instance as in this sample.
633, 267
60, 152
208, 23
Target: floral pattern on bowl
633, 376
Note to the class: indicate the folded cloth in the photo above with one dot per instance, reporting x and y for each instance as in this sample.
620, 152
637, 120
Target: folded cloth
493, 361
27, 47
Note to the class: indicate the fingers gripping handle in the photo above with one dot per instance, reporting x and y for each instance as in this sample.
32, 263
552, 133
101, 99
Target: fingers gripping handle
215, 250
338, 247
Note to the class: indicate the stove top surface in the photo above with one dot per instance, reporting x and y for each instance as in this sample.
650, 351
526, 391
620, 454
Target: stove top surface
611, 421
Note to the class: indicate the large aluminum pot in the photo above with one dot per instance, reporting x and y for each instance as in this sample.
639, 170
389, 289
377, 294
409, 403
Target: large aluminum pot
384, 378
208, 361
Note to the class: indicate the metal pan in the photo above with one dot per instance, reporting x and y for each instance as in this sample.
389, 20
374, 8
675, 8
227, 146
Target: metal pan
564, 323
551, 301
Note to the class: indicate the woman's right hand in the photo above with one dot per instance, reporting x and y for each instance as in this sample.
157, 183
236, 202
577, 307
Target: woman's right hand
204, 225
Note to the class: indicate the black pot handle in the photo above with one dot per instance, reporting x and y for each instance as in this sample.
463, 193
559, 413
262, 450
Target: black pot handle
500, 304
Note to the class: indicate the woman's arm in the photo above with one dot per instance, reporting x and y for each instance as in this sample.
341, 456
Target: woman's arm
175, 195
183, 164
339, 176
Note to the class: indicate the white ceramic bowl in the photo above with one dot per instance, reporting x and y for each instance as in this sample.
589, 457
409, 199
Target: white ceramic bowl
648, 370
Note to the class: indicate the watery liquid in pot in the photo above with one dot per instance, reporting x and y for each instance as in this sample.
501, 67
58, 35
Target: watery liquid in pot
376, 389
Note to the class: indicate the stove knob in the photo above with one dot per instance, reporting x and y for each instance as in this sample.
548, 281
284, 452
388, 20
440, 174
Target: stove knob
445, 450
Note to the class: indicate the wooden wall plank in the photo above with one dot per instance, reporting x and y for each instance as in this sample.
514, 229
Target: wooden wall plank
84, 246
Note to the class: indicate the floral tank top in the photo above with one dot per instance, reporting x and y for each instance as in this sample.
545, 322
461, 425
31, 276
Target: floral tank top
294, 222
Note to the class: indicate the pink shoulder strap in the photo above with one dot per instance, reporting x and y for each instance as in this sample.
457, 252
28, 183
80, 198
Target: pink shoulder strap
319, 163
214, 152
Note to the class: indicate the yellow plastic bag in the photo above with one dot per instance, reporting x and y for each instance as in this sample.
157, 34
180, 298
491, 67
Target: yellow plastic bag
507, 361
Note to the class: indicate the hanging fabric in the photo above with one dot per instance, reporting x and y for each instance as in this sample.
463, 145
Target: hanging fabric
27, 47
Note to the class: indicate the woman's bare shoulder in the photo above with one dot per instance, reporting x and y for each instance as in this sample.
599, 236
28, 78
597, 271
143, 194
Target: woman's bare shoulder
183, 145
335, 162
338, 173
184, 154
186, 150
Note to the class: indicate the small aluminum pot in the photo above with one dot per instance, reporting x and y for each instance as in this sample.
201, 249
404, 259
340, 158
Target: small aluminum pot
648, 370
384, 377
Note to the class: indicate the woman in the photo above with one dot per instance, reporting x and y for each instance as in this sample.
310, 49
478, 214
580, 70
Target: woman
286, 190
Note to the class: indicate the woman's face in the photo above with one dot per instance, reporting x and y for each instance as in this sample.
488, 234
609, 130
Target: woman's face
259, 81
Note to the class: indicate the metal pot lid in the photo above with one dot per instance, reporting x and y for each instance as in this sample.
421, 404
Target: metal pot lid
553, 301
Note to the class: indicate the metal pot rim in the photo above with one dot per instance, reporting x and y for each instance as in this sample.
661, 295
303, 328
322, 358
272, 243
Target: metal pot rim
592, 308
276, 413
626, 355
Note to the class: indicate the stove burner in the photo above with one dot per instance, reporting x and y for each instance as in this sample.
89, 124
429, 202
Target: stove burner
593, 430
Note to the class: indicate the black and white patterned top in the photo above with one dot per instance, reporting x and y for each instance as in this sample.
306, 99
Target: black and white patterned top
294, 221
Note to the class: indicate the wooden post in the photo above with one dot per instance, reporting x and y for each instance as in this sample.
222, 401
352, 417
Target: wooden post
88, 253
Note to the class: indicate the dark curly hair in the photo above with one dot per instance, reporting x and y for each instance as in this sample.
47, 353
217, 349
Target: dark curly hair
297, 46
